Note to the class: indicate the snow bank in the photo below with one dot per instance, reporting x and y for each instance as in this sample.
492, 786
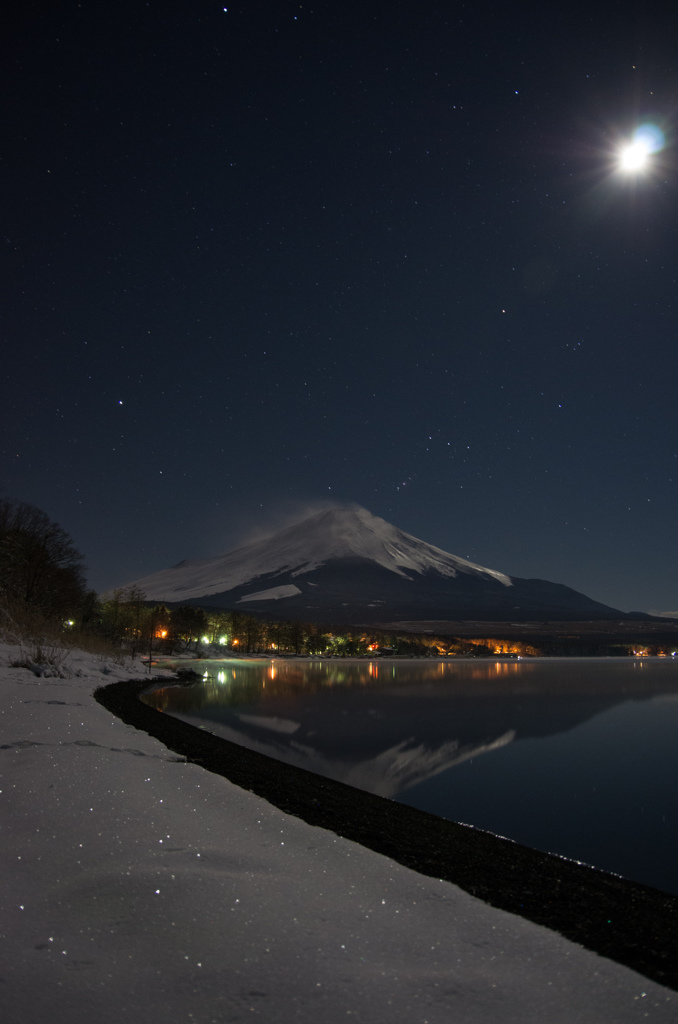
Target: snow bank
136, 886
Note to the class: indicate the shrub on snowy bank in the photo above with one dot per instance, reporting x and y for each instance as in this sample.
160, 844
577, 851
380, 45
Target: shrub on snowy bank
44, 645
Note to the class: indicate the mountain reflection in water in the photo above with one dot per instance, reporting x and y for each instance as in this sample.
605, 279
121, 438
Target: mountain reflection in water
597, 735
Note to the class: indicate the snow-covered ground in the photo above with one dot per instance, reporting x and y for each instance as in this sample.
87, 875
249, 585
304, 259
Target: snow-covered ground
139, 887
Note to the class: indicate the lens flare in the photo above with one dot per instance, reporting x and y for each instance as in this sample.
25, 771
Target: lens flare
650, 137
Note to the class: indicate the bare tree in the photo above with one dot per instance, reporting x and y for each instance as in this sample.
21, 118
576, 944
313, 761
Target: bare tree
39, 564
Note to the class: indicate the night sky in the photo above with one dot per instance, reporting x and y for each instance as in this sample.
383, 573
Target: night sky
279, 255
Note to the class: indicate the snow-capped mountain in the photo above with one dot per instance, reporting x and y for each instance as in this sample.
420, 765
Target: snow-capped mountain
346, 565
300, 549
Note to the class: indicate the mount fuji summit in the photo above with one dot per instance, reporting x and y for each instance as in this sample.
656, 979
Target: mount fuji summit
344, 565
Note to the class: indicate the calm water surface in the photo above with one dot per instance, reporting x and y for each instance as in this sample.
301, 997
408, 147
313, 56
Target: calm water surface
574, 756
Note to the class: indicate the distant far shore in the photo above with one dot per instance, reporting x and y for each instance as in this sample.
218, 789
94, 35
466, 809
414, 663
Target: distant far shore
654, 631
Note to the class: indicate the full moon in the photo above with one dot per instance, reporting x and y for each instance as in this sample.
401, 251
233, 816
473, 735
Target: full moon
634, 156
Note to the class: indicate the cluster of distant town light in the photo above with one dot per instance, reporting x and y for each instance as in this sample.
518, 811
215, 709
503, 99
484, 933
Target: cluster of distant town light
635, 157
225, 641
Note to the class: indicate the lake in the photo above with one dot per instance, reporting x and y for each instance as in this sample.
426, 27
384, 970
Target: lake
577, 757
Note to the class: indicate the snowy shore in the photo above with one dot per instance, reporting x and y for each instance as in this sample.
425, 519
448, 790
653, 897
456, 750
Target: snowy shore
137, 886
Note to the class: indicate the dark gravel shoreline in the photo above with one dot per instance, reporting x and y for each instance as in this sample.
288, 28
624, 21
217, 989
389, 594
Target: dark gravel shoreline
630, 923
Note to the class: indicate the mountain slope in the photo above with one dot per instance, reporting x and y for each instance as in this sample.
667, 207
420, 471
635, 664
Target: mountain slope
346, 565
300, 549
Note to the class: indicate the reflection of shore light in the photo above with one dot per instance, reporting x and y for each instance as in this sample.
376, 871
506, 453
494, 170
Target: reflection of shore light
503, 668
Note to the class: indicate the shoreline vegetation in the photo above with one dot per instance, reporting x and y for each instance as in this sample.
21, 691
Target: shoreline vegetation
128, 620
124, 625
